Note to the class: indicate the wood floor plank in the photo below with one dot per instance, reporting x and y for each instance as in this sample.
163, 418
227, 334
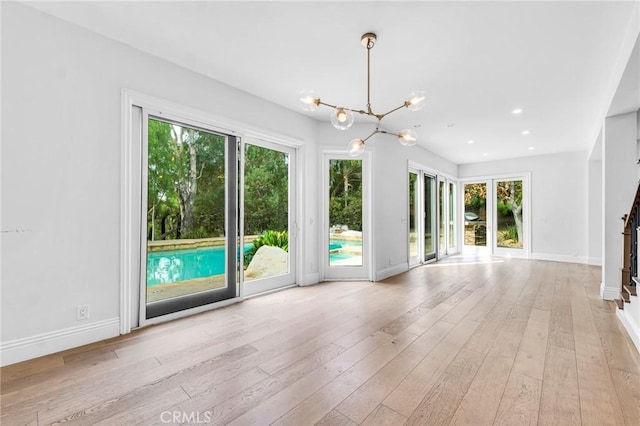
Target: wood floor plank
520, 401
544, 297
533, 346
440, 404
598, 400
359, 405
464, 307
561, 324
560, 400
410, 392
335, 418
384, 416
297, 392
480, 403
315, 407
627, 387
237, 405
131, 409
489, 329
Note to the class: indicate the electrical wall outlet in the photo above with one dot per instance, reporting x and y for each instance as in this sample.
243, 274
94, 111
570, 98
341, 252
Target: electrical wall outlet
82, 312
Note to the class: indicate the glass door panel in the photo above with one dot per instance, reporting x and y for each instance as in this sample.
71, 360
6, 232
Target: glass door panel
430, 216
345, 212
267, 202
414, 215
442, 219
475, 215
511, 222
189, 231
452, 217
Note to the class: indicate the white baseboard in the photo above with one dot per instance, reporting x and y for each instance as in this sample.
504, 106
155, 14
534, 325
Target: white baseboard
630, 326
391, 271
595, 261
609, 293
310, 279
47, 343
559, 258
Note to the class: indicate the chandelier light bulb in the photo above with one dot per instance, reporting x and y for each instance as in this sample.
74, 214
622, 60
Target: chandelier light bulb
356, 147
342, 118
408, 137
308, 101
416, 100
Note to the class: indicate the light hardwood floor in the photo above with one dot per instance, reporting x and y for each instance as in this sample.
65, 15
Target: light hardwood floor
506, 342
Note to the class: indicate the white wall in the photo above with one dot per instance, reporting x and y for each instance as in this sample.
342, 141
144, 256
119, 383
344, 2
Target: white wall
594, 212
558, 201
619, 160
390, 188
595, 208
61, 115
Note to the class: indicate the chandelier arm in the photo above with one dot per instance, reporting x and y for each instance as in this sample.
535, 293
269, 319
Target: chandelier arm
359, 111
376, 131
389, 133
404, 105
326, 104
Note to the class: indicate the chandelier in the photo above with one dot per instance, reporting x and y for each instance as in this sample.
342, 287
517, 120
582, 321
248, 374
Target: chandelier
342, 117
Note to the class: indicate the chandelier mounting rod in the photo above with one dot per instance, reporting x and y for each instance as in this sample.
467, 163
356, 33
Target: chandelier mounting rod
369, 40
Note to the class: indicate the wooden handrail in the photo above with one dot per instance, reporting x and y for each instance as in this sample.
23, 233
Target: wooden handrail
630, 250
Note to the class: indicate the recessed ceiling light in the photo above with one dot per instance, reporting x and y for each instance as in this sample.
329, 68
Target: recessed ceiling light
525, 132
531, 148
470, 142
485, 154
517, 111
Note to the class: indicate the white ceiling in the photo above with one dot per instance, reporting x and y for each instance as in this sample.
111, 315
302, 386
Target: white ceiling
476, 61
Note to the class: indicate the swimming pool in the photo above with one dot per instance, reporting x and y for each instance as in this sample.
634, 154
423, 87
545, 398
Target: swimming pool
187, 264
337, 252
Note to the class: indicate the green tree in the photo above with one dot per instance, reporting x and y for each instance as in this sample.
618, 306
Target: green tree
162, 199
266, 190
510, 194
345, 193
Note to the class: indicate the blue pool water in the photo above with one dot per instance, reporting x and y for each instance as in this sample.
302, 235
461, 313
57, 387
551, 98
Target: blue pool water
180, 265
336, 245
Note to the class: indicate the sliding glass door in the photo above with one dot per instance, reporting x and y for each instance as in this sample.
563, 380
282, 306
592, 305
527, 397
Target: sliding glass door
430, 218
189, 216
414, 218
267, 195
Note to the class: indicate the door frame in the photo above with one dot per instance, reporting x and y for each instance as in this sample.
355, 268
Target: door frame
491, 206
418, 218
281, 281
364, 272
130, 194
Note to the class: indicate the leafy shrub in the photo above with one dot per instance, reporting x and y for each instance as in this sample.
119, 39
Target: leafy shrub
269, 238
504, 209
511, 233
